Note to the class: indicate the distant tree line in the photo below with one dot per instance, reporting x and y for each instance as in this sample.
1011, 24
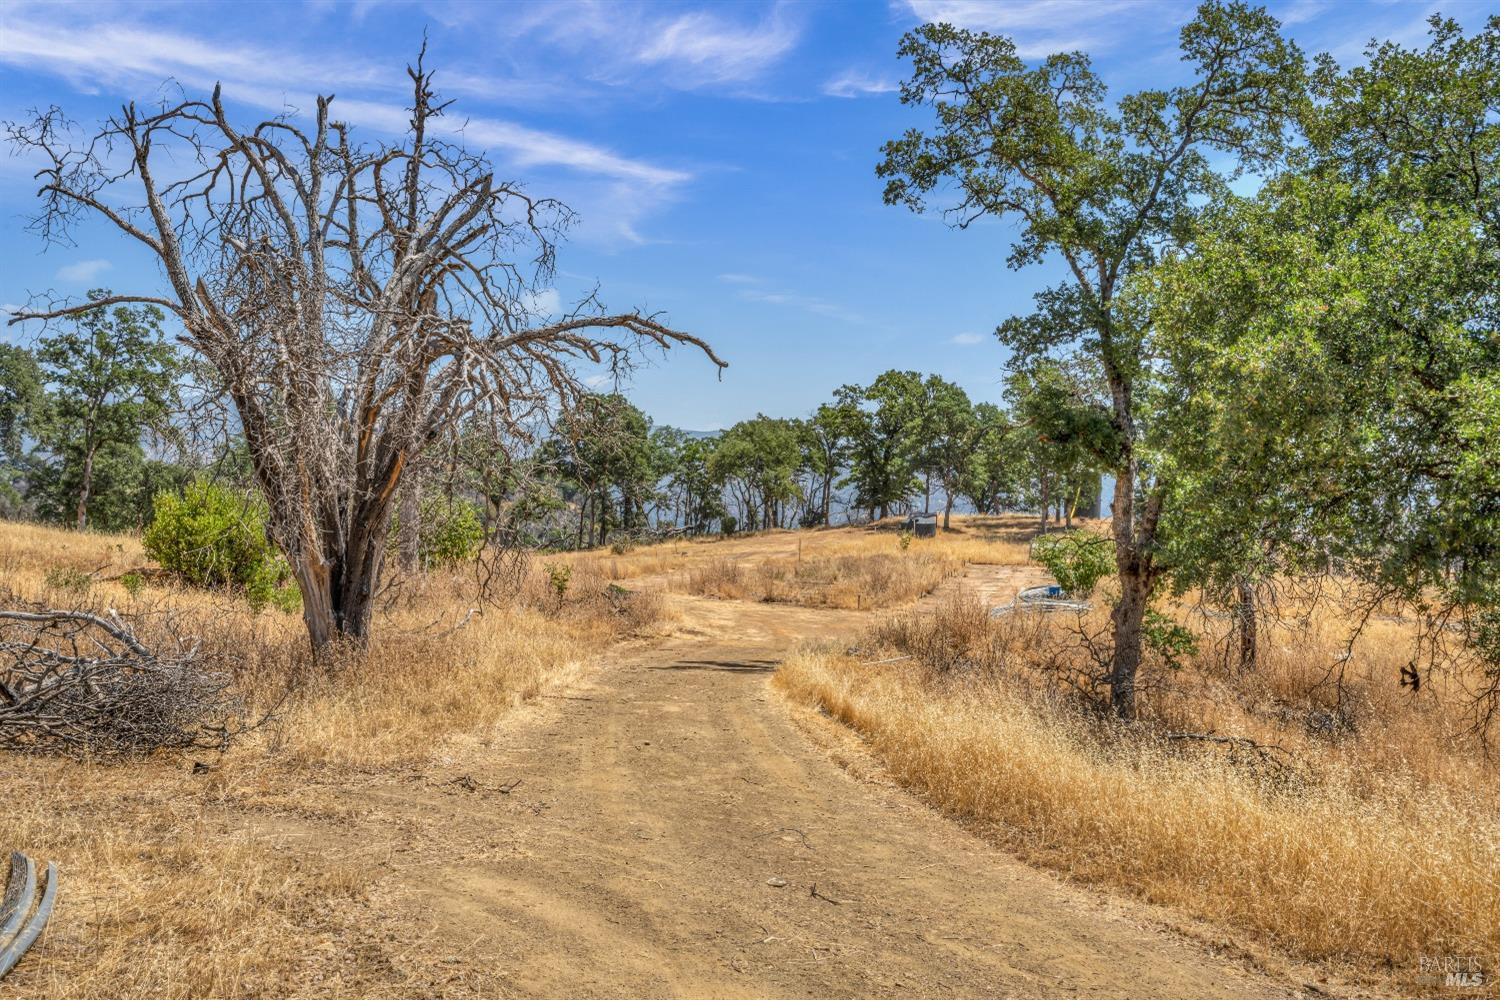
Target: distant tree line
896, 445
95, 422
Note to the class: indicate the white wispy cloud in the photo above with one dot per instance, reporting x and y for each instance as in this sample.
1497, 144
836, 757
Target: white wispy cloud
967, 339
1040, 27
712, 49
856, 83
103, 52
739, 279
638, 46
84, 271
809, 303
526, 147
545, 302
1299, 11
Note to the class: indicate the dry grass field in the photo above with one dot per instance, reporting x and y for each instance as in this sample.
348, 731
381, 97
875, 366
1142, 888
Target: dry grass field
1369, 840
851, 568
224, 880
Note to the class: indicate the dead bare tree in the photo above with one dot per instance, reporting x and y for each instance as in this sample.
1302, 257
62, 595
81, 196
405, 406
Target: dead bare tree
356, 301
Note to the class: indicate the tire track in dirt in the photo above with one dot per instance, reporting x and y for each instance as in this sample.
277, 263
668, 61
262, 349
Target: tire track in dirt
679, 835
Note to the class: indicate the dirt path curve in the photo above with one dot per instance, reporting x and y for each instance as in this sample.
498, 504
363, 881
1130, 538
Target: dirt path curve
678, 834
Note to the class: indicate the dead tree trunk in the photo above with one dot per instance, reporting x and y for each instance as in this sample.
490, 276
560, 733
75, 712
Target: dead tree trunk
339, 582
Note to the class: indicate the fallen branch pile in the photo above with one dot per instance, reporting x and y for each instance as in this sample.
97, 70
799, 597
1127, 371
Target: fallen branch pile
81, 683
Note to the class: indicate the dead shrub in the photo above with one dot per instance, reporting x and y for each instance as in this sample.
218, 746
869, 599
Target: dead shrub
76, 682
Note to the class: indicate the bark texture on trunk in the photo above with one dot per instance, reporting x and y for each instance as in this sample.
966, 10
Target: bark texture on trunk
85, 488
340, 581
1128, 619
1045, 501
1246, 622
1134, 533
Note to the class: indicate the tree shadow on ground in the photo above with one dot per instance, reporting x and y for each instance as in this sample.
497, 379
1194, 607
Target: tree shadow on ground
733, 666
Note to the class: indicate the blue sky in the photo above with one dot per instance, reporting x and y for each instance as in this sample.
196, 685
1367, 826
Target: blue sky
720, 156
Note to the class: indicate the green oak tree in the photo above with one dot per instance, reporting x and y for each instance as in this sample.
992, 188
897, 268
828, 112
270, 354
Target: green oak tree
944, 429
882, 466
22, 407
1105, 190
1061, 431
1332, 345
603, 450
759, 459
825, 452
112, 379
697, 484
993, 465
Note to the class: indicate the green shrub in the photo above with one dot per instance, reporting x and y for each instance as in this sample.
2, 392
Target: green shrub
1167, 639
133, 583
210, 536
558, 577
451, 531
1078, 559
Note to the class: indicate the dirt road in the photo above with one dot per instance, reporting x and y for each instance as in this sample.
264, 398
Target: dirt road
679, 831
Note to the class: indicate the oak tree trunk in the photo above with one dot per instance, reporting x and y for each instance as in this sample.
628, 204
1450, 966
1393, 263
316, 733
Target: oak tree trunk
1045, 501
1128, 619
1246, 623
85, 488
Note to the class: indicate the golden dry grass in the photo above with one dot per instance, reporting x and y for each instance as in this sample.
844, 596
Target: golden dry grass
865, 567
1380, 845
254, 878
873, 580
